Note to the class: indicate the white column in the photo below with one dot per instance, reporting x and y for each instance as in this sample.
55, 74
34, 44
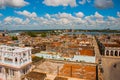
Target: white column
17, 75
27, 56
119, 53
9, 73
22, 57
109, 52
113, 52
18, 60
105, 52
13, 59
2, 56
4, 73
30, 55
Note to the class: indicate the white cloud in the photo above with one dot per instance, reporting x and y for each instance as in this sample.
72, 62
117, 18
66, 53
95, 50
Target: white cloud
8, 20
71, 3
27, 14
80, 14
82, 2
48, 16
98, 16
111, 18
118, 14
1, 14
13, 3
66, 20
64, 15
16, 21
102, 4
27, 21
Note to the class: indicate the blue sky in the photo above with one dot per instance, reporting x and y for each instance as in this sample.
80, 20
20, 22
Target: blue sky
59, 14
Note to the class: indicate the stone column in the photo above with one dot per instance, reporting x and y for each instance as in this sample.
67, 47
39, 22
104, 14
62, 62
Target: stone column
17, 75
109, 52
113, 52
13, 59
105, 52
18, 60
30, 55
2, 57
119, 53
27, 56
9, 72
4, 77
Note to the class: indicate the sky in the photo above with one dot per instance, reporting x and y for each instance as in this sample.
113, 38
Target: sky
59, 14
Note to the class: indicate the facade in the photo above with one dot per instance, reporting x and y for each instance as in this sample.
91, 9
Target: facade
109, 45
109, 51
76, 58
14, 62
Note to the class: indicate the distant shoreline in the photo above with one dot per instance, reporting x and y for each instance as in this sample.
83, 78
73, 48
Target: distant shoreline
76, 30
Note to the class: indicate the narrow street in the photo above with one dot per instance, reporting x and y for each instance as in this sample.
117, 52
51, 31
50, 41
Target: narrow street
96, 49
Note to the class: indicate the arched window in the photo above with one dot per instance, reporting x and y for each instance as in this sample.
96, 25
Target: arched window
15, 59
107, 53
24, 54
111, 53
119, 53
116, 53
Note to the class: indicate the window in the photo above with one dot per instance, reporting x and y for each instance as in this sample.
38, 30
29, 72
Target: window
111, 53
24, 54
8, 59
107, 53
116, 53
0, 69
15, 59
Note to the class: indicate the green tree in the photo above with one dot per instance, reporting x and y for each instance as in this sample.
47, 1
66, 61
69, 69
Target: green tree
43, 35
14, 38
36, 59
31, 34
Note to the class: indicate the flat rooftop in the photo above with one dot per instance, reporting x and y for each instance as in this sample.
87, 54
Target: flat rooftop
35, 76
87, 52
68, 69
79, 71
111, 45
5, 48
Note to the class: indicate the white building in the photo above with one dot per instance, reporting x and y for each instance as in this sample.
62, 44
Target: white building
112, 51
14, 62
76, 58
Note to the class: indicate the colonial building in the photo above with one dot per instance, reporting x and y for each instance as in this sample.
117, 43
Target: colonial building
109, 48
14, 62
113, 50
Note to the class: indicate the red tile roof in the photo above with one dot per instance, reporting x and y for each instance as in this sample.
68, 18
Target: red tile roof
87, 52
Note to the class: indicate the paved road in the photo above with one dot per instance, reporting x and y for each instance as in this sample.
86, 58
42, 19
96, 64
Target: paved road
96, 49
